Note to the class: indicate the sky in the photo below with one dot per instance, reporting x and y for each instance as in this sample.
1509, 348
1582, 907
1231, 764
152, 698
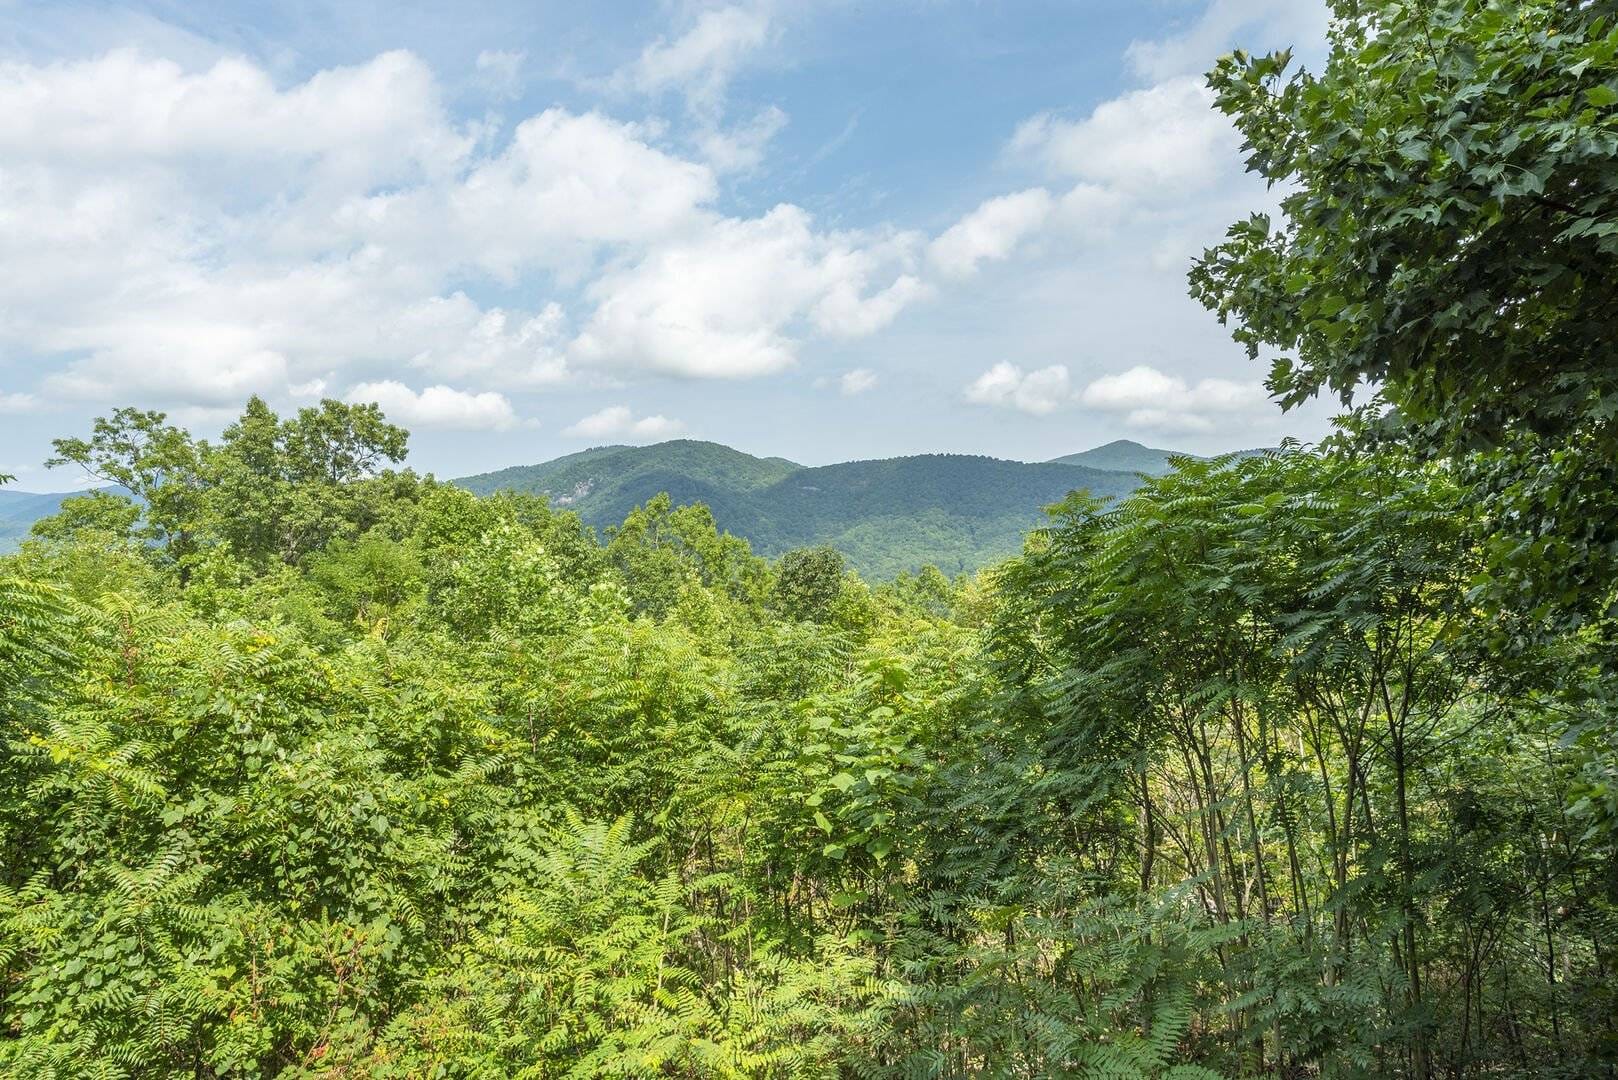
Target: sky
822, 229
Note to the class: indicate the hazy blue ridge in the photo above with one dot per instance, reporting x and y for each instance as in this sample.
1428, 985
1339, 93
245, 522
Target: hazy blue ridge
20, 509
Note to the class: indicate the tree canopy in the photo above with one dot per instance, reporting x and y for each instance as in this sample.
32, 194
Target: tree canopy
1290, 764
1449, 228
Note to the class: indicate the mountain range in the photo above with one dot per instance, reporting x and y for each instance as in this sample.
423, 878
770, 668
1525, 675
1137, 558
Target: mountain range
955, 511
20, 509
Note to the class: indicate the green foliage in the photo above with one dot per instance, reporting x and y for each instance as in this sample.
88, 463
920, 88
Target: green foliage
282, 488
1449, 230
1286, 763
808, 582
886, 517
156, 463
98, 515
1216, 781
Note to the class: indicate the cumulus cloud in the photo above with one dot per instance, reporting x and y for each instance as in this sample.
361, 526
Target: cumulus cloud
368, 123
197, 236
699, 65
16, 403
741, 149
1007, 385
1157, 143
1269, 24
701, 62
847, 311
564, 187
1161, 152
170, 360
991, 231
437, 406
204, 235
727, 302
459, 340
856, 382
1151, 399
618, 422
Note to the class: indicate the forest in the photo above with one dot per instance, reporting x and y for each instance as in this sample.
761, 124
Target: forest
956, 512
1294, 764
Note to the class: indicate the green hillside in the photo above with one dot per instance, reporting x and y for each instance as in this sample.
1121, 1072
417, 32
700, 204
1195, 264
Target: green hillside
955, 511
604, 483
1125, 455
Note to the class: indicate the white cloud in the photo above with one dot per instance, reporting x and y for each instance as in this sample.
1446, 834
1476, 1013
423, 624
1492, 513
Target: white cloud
199, 236
727, 302
1089, 211
992, 231
856, 382
1151, 399
1161, 143
618, 422
1255, 25
459, 340
1037, 392
701, 62
741, 149
500, 72
1156, 158
565, 187
437, 406
373, 123
17, 403
170, 360
846, 311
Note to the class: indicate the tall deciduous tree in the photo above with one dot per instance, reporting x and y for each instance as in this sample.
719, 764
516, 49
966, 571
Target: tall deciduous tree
161, 466
1448, 239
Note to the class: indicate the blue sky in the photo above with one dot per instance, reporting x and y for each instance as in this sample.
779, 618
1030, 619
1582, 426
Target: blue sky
822, 230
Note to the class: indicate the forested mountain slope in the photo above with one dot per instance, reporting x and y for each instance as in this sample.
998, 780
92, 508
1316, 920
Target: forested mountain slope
954, 511
20, 509
611, 480
1124, 455
958, 512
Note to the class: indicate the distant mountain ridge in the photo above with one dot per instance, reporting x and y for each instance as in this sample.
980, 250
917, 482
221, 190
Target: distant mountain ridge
958, 512
955, 511
20, 509
1126, 456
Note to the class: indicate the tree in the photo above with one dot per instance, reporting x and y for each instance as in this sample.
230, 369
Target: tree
157, 464
1450, 227
661, 548
808, 582
280, 489
1211, 782
99, 513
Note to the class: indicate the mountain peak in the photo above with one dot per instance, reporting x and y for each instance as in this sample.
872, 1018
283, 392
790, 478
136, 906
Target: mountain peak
1125, 455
